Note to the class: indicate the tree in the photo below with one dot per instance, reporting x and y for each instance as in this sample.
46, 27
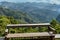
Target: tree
3, 22
54, 22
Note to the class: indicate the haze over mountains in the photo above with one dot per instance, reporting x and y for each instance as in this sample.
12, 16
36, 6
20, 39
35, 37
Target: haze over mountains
45, 1
40, 12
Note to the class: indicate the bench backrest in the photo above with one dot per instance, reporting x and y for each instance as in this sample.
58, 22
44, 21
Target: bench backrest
29, 25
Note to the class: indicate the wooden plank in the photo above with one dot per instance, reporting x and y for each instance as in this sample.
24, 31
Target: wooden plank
27, 25
52, 29
42, 34
57, 36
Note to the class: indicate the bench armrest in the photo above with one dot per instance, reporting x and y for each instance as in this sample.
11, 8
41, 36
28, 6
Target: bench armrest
52, 29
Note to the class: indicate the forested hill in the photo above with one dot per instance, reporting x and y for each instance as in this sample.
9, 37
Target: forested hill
58, 18
18, 15
39, 12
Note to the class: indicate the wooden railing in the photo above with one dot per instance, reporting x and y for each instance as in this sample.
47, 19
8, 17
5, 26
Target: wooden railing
39, 34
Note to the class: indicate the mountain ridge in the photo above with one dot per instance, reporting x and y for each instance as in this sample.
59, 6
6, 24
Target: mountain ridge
18, 15
40, 11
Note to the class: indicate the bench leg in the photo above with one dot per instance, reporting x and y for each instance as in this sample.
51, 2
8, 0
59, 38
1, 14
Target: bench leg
6, 38
52, 38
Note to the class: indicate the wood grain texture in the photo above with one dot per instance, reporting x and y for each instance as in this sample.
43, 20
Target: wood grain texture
42, 34
27, 25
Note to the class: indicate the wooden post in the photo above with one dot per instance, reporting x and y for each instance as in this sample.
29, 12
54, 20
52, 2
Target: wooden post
52, 37
6, 38
49, 28
6, 32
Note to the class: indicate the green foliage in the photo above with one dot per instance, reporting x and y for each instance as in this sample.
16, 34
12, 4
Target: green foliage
38, 14
4, 20
18, 15
58, 18
56, 26
43, 29
13, 21
8, 16
54, 22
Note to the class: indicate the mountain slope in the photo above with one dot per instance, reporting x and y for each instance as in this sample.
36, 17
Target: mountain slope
40, 12
58, 18
18, 15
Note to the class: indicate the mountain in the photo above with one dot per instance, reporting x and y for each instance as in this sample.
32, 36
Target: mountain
58, 18
18, 15
40, 12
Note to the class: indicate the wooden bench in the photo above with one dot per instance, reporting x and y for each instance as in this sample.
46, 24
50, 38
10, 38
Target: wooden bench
38, 34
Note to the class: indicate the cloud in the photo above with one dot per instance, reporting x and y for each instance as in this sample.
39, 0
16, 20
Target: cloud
47, 1
55, 1
50, 1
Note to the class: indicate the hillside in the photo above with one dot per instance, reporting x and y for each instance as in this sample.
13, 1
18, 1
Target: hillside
40, 12
21, 13
58, 18
18, 15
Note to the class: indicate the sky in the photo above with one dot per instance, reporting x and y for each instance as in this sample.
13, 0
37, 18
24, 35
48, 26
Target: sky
47, 1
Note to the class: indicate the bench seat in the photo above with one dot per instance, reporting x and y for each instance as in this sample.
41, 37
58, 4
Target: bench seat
39, 34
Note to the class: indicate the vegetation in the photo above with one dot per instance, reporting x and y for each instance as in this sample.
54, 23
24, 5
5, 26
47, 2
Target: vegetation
12, 16
9, 16
58, 18
55, 24
4, 20
40, 12
18, 15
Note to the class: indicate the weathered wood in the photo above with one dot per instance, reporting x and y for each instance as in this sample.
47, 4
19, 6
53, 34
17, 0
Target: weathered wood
6, 38
52, 37
42, 34
51, 29
57, 36
27, 25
